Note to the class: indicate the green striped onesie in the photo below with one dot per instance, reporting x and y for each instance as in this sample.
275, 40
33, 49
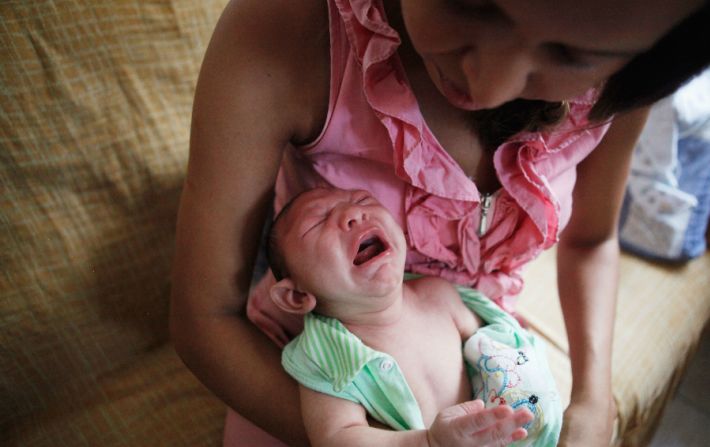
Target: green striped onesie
507, 365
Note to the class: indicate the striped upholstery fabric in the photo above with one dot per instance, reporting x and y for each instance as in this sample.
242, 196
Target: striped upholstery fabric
661, 313
95, 102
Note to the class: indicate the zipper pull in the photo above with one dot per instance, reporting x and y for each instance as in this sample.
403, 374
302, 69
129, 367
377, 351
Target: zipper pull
485, 207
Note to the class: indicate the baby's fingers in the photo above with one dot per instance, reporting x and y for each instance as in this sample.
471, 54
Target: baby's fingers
469, 423
505, 430
475, 421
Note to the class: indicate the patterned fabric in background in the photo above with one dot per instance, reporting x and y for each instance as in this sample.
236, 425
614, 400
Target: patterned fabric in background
95, 104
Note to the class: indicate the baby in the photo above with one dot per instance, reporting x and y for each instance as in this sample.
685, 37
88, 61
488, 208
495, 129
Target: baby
376, 346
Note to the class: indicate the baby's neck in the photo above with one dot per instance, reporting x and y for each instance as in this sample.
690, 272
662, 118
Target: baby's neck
380, 324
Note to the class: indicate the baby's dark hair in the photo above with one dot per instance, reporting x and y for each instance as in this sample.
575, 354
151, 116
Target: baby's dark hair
274, 253
672, 61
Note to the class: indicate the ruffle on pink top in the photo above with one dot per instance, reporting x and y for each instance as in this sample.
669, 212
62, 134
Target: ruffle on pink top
376, 139
444, 201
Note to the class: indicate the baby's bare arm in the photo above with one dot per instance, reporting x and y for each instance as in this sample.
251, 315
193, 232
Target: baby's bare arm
332, 421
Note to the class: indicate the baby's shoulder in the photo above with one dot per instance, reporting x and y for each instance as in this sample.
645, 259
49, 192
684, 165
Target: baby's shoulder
436, 292
441, 296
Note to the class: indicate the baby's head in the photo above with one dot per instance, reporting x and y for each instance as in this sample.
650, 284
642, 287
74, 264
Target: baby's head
335, 249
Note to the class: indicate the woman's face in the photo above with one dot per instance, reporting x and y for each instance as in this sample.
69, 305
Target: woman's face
483, 53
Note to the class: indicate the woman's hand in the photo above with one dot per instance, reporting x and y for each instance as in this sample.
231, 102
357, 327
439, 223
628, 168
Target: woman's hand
588, 423
470, 424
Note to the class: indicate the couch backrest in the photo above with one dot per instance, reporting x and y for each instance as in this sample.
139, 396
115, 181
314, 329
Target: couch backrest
95, 100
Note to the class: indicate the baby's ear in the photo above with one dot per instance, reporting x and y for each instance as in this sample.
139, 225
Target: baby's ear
289, 299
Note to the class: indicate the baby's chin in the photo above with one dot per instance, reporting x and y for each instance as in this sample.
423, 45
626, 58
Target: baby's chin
386, 281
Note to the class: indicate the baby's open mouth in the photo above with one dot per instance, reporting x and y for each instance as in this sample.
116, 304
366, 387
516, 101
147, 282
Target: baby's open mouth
369, 248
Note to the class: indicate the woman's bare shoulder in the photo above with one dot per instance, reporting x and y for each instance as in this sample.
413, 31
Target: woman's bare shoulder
279, 50
249, 104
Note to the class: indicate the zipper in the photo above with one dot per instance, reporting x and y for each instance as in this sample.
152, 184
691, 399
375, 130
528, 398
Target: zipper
486, 213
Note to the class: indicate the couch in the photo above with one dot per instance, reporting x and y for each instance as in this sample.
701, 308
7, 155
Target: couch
95, 102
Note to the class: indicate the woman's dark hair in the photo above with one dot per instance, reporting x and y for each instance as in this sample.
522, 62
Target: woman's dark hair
678, 56
495, 126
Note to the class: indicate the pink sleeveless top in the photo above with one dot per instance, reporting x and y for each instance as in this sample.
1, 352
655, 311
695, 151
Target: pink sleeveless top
375, 138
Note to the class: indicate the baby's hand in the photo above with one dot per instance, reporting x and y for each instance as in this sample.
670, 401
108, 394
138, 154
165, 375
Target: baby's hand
470, 424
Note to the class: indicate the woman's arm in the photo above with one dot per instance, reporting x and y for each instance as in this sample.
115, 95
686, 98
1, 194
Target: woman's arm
252, 98
587, 265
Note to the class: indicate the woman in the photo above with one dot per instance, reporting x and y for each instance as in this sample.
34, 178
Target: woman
437, 107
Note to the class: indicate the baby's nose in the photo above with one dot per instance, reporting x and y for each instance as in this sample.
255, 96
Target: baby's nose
351, 216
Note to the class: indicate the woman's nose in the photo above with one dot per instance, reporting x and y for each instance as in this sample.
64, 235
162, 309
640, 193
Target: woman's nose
497, 74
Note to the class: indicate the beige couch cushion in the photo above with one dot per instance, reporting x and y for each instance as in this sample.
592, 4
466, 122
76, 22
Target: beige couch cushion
95, 104
154, 401
661, 313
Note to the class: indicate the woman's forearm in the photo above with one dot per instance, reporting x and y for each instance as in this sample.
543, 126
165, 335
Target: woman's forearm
588, 256
209, 328
242, 367
587, 281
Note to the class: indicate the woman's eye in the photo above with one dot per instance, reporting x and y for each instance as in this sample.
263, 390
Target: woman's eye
481, 9
562, 55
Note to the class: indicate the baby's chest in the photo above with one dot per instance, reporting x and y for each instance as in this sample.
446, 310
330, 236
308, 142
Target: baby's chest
434, 369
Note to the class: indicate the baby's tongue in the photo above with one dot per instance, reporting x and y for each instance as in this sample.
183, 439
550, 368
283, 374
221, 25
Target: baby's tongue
367, 251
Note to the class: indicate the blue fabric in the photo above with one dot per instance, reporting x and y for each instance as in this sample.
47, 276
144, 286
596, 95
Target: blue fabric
665, 211
693, 177
694, 160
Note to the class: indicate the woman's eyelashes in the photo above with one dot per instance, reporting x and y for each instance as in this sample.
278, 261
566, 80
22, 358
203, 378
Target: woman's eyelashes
563, 55
478, 9
487, 11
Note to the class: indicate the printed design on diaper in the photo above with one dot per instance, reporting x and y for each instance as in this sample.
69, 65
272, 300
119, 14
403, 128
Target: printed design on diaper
501, 380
